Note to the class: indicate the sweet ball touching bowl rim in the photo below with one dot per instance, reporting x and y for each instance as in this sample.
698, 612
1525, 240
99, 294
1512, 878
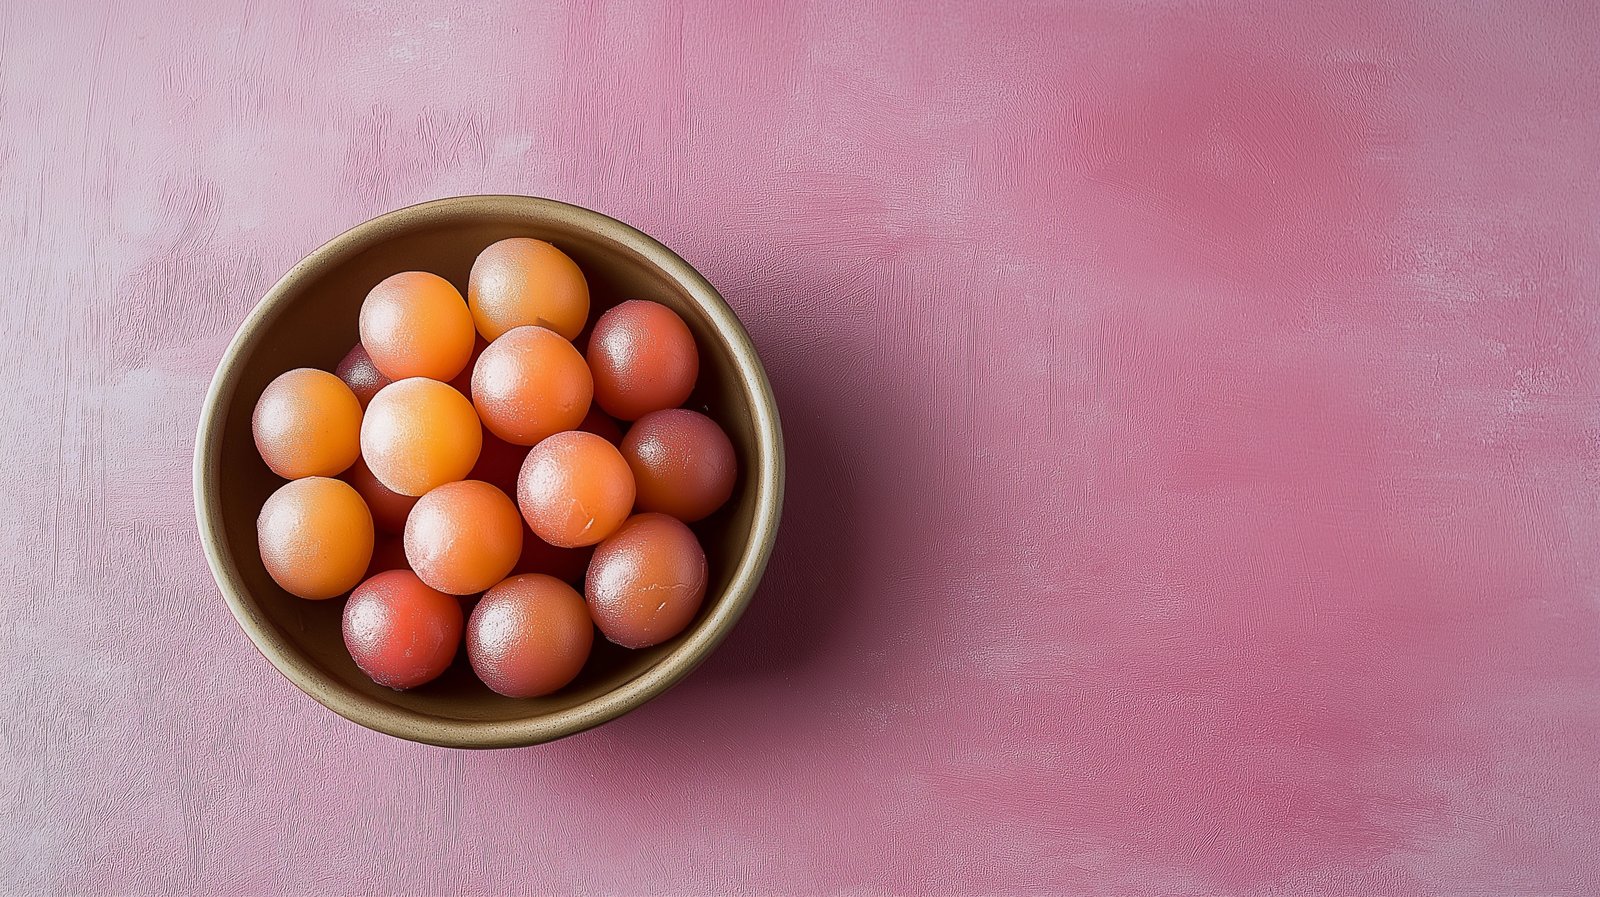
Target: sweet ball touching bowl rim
765, 472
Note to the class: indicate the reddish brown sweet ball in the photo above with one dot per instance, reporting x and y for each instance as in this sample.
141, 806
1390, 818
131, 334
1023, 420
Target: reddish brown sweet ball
574, 489
463, 381
529, 636
499, 462
400, 632
646, 582
307, 423
682, 463
529, 384
643, 359
415, 324
389, 508
463, 537
315, 536
602, 425
539, 556
360, 374
388, 553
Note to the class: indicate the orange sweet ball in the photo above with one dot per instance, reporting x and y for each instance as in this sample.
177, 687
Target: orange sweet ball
646, 582
643, 359
463, 537
315, 536
419, 434
415, 324
682, 463
522, 281
575, 488
307, 423
529, 384
529, 636
400, 632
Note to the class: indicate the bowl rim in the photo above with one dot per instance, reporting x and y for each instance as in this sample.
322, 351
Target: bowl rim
464, 733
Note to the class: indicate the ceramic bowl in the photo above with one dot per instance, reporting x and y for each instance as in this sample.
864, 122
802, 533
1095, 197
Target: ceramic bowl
308, 319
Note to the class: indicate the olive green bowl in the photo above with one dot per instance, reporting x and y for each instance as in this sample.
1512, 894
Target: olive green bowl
308, 319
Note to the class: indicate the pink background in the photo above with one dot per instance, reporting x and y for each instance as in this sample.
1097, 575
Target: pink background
1191, 410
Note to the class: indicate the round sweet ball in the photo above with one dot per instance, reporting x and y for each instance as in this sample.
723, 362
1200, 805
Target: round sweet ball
647, 581
415, 324
315, 536
529, 384
307, 423
682, 462
574, 489
400, 632
389, 508
529, 636
418, 434
463, 537
522, 281
601, 424
360, 374
643, 359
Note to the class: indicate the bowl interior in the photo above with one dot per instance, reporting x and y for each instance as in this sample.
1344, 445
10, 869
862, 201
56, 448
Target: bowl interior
310, 321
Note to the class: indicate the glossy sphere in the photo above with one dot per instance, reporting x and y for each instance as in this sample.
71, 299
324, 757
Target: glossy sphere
499, 463
643, 359
315, 537
389, 508
463, 537
601, 424
539, 556
522, 281
360, 374
463, 381
646, 581
682, 463
574, 489
529, 384
388, 553
529, 636
400, 632
415, 324
307, 423
419, 434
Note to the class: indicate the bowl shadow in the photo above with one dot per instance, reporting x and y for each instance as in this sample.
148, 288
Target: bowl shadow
803, 602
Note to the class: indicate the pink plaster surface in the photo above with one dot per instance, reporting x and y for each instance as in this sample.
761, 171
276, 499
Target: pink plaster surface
1193, 413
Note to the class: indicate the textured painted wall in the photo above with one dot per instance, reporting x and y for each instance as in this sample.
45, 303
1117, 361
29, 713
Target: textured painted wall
1191, 407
